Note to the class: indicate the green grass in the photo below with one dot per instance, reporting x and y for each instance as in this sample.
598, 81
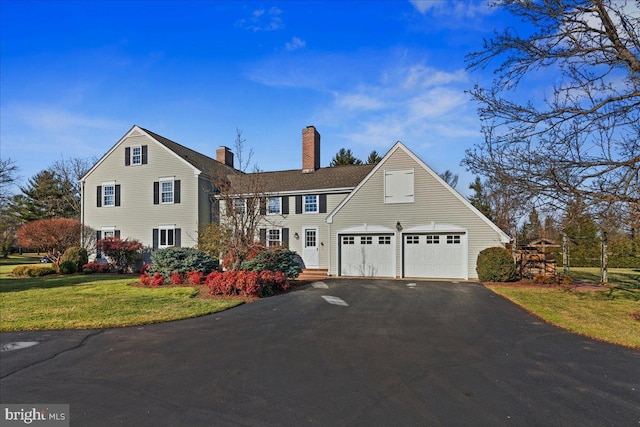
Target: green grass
6, 265
626, 277
591, 313
94, 301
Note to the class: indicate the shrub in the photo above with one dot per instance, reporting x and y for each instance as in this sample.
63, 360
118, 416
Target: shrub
495, 265
145, 279
247, 283
96, 267
77, 255
157, 280
68, 267
181, 260
121, 254
176, 279
32, 270
195, 277
144, 268
279, 259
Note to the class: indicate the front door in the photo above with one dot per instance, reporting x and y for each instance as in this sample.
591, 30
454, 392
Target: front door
310, 254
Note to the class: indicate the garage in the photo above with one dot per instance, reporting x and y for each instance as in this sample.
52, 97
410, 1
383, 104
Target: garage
435, 255
367, 254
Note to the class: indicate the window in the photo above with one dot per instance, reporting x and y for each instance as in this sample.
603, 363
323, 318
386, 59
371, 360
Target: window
348, 240
167, 237
366, 240
166, 191
274, 206
413, 240
384, 240
311, 204
136, 155
398, 186
433, 239
108, 232
274, 237
108, 195
453, 240
240, 205
310, 238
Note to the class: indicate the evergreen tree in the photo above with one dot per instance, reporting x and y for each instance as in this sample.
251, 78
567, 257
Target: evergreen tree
531, 229
582, 231
373, 158
344, 157
45, 196
480, 199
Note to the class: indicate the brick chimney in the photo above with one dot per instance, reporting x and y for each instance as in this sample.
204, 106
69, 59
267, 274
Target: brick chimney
224, 155
310, 149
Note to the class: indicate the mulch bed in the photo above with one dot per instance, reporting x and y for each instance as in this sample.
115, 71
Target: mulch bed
530, 284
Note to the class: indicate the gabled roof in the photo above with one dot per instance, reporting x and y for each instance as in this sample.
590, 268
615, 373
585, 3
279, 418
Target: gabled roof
200, 162
290, 181
400, 146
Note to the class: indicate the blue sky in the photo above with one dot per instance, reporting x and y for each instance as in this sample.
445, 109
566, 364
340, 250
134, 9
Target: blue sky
75, 76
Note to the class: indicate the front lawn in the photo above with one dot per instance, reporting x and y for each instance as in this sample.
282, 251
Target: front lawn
95, 301
611, 314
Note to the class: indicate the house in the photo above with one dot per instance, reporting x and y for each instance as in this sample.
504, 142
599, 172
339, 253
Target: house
394, 219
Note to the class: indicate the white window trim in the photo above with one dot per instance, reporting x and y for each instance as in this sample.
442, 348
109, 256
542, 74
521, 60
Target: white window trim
304, 204
268, 240
166, 228
173, 190
279, 206
132, 156
104, 187
110, 229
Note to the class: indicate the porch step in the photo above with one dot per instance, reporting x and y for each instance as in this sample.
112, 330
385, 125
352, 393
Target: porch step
314, 274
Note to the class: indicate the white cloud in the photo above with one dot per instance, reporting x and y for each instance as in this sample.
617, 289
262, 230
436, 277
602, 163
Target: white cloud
263, 20
295, 43
457, 8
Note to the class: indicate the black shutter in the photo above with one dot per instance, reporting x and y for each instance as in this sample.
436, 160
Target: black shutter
323, 203
156, 193
127, 156
298, 204
285, 205
176, 191
263, 206
285, 237
117, 194
98, 237
116, 233
155, 238
177, 239
144, 154
99, 196
263, 236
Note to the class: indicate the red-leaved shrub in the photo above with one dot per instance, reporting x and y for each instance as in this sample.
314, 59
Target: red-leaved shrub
96, 267
176, 279
144, 268
157, 280
195, 277
246, 283
145, 279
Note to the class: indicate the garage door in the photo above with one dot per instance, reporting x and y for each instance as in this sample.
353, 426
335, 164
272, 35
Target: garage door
367, 255
434, 255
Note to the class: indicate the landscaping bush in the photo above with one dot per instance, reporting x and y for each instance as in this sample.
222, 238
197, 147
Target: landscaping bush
76, 255
279, 259
195, 277
121, 254
95, 267
176, 279
157, 279
32, 270
68, 267
246, 283
496, 265
145, 279
181, 260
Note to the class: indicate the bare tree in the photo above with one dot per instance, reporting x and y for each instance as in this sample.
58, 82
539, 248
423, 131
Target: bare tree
68, 173
583, 140
450, 178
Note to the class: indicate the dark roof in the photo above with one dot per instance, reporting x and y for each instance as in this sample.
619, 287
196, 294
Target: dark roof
204, 163
295, 180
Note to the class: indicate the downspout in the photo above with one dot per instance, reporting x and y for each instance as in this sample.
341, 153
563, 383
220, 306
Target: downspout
82, 242
329, 252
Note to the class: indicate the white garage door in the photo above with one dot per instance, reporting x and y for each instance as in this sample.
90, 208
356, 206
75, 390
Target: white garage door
367, 255
434, 255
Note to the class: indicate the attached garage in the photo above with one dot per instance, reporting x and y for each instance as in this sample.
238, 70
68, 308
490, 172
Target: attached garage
367, 251
439, 254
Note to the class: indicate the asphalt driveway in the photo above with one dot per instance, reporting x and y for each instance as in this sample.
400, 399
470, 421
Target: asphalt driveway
356, 353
